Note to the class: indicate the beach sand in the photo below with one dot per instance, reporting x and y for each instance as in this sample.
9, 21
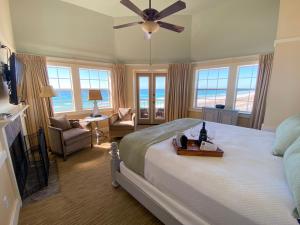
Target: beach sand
244, 102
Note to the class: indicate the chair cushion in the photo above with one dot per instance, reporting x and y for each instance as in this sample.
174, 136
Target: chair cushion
124, 114
120, 124
60, 122
286, 133
74, 135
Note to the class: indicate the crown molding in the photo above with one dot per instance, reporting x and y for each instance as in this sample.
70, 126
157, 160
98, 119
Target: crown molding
286, 40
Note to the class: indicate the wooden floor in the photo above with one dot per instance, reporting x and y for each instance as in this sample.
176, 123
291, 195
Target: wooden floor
86, 196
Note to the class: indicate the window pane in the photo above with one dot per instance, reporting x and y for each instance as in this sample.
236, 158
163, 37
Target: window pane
65, 84
94, 74
54, 83
212, 87
60, 79
94, 79
223, 73
246, 84
222, 84
64, 73
85, 84
103, 75
84, 74
95, 84
52, 72
212, 84
203, 74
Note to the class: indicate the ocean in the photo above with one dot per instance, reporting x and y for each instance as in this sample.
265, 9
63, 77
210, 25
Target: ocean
63, 102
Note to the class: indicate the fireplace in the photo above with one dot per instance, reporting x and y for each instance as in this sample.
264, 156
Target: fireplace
19, 160
29, 158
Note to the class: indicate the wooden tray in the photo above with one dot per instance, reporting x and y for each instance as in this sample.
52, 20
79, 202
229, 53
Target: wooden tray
194, 150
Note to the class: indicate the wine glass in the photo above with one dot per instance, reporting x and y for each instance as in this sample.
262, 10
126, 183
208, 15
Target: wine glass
211, 134
194, 132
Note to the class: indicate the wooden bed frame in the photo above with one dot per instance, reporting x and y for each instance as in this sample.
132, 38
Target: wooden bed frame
145, 199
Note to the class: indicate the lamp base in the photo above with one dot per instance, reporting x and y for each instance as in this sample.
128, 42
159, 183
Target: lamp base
96, 112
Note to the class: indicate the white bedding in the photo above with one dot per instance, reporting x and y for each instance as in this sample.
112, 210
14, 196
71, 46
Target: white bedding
246, 186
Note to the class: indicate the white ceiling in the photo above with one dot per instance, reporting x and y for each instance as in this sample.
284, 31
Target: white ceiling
115, 9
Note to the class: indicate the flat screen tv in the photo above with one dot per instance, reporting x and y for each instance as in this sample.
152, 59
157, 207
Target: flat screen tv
14, 77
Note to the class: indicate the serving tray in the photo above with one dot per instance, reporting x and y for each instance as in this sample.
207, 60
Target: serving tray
194, 150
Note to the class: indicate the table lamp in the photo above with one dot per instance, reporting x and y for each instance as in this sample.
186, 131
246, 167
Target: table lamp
95, 95
47, 92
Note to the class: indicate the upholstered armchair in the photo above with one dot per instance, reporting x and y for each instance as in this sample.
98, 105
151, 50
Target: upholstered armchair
119, 127
67, 136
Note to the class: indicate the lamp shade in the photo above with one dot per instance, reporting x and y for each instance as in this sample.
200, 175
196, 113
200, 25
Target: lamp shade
47, 92
95, 94
150, 27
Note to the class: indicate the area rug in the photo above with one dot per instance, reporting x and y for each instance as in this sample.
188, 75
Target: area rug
52, 188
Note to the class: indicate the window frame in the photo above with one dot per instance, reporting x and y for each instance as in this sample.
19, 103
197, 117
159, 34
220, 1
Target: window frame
197, 80
75, 65
236, 86
109, 86
233, 64
71, 82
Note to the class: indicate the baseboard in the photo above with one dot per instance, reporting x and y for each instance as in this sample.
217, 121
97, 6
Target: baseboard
16, 212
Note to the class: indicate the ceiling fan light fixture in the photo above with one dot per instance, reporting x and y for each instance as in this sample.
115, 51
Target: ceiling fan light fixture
150, 27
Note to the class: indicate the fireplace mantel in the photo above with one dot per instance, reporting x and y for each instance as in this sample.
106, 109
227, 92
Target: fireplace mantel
15, 113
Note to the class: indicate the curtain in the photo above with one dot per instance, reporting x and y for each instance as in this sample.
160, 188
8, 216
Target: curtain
35, 76
118, 81
178, 85
263, 79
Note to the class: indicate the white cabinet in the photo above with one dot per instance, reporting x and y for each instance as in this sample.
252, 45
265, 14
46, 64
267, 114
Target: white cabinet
220, 115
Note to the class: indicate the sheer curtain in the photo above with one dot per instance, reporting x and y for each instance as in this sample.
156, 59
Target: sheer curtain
264, 75
118, 81
35, 76
178, 84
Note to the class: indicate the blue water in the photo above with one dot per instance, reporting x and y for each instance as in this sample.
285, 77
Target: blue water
160, 93
63, 102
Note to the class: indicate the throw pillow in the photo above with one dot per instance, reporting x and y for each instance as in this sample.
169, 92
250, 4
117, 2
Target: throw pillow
60, 122
291, 163
286, 133
124, 114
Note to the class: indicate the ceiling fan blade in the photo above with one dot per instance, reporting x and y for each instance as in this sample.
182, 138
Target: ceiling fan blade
170, 26
127, 25
177, 6
134, 8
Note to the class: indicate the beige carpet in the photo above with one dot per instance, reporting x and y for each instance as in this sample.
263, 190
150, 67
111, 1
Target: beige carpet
86, 196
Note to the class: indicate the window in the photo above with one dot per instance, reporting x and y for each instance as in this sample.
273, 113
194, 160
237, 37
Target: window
211, 87
245, 89
95, 79
61, 80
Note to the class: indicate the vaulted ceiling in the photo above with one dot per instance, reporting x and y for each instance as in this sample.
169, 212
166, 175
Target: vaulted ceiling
115, 9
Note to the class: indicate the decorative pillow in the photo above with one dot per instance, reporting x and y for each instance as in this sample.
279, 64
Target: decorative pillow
124, 114
291, 162
60, 122
286, 133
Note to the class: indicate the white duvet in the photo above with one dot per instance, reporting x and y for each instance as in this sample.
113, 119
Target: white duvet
246, 186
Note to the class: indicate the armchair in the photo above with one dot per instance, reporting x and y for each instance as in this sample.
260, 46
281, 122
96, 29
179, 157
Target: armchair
66, 141
119, 128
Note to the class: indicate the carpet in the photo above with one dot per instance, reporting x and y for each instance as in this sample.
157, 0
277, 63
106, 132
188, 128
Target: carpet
86, 196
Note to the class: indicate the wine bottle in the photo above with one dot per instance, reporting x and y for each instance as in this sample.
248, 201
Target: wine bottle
203, 134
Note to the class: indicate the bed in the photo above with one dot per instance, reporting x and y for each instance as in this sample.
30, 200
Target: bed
246, 186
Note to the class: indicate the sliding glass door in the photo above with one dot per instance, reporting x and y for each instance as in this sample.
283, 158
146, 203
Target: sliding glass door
151, 98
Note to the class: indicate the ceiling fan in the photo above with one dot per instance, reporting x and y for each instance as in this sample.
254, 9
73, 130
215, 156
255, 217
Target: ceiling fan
152, 17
